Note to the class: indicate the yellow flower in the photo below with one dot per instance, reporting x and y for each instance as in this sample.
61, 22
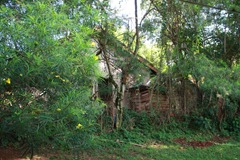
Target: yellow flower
57, 76
79, 126
59, 109
20, 75
93, 44
8, 81
95, 58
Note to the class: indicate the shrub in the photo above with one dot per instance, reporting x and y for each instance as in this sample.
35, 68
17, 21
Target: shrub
47, 68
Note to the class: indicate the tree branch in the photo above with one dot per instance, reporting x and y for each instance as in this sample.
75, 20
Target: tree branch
145, 15
155, 6
208, 6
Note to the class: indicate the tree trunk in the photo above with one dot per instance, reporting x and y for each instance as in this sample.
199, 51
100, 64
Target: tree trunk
121, 93
184, 96
120, 99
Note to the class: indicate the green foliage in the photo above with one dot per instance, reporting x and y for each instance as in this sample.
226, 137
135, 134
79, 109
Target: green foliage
201, 123
214, 76
199, 44
236, 124
155, 56
68, 123
142, 120
48, 66
217, 79
151, 125
159, 141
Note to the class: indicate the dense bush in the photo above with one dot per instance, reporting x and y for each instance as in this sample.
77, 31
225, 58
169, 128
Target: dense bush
47, 68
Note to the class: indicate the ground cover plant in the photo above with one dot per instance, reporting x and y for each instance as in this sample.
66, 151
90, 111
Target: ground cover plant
173, 140
157, 149
172, 146
169, 141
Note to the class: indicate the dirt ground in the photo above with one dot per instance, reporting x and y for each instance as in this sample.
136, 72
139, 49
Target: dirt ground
201, 144
13, 154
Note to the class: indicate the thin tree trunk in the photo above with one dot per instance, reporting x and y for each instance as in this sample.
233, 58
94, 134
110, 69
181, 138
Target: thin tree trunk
136, 28
120, 96
184, 96
120, 100
170, 95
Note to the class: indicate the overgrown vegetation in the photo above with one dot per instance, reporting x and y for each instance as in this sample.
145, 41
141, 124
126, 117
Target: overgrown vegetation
47, 67
173, 140
49, 60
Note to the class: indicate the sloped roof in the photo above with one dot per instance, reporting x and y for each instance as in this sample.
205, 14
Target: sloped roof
148, 64
140, 58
